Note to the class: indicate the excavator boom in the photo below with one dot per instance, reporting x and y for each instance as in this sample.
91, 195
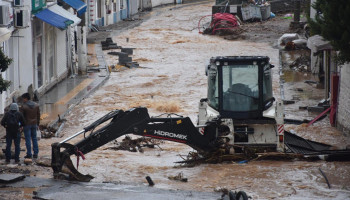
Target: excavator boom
134, 121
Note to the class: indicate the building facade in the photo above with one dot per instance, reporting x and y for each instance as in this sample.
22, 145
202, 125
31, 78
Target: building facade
41, 43
335, 78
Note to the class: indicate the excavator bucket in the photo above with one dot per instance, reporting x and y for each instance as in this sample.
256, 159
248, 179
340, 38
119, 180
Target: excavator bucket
74, 174
62, 163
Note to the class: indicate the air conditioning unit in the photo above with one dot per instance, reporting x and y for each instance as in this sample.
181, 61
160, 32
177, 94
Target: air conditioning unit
18, 3
6, 15
22, 18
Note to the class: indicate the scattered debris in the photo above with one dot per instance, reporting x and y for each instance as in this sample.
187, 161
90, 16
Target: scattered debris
302, 107
221, 189
298, 122
28, 161
310, 82
128, 51
241, 195
278, 156
289, 46
325, 177
296, 97
179, 177
46, 131
109, 44
149, 180
300, 43
11, 178
288, 37
221, 22
136, 145
301, 64
317, 108
45, 162
124, 59
286, 102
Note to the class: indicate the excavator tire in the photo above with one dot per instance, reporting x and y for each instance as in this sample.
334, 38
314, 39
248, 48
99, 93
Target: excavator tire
232, 195
241, 196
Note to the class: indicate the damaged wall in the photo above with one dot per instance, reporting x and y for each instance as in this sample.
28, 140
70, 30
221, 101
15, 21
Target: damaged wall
343, 114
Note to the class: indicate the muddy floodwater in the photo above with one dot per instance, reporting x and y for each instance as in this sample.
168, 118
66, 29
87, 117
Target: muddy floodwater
173, 55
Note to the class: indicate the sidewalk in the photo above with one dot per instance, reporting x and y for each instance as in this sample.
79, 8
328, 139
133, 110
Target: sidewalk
62, 98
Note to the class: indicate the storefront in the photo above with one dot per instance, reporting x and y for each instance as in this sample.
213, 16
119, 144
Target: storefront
52, 45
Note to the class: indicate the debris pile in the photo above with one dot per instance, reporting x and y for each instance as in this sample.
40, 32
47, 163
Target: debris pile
178, 177
124, 55
109, 44
230, 194
301, 64
221, 24
136, 145
292, 41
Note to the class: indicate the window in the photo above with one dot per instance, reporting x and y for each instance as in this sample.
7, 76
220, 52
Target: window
38, 52
114, 6
98, 9
121, 4
267, 79
240, 87
213, 90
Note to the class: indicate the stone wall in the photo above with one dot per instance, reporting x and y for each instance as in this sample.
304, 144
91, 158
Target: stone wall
343, 112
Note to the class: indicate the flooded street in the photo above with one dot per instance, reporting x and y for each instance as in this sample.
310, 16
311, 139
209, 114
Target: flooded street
173, 55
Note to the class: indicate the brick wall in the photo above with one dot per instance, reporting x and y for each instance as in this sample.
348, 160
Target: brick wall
343, 114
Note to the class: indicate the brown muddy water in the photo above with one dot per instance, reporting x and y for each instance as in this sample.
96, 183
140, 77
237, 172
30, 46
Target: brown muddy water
174, 71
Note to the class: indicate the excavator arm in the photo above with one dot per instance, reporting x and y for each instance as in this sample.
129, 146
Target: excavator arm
134, 121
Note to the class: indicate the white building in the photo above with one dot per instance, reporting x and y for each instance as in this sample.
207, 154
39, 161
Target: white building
106, 12
40, 45
336, 78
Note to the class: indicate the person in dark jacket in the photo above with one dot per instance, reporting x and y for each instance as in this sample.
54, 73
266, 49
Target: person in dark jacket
13, 132
31, 113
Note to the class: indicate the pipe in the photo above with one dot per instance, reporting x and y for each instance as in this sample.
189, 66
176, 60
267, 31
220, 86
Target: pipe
73, 136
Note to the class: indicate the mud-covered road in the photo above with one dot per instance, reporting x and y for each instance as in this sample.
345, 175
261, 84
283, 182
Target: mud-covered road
173, 56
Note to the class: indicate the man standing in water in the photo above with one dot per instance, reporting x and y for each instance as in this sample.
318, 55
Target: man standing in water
31, 113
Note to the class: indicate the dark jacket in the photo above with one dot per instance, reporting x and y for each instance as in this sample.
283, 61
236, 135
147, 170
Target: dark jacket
31, 113
19, 116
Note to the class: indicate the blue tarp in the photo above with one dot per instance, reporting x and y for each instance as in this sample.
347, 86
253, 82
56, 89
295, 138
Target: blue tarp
78, 5
54, 19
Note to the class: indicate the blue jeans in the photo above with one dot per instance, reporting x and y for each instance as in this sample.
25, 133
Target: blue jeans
17, 141
30, 136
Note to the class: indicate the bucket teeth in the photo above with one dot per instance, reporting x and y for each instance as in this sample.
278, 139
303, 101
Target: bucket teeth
74, 174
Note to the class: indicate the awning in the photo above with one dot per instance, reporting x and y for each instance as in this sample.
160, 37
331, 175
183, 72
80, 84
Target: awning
54, 19
64, 13
78, 5
5, 34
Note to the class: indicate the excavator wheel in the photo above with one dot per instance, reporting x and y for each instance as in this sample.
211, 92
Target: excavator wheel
232, 195
241, 196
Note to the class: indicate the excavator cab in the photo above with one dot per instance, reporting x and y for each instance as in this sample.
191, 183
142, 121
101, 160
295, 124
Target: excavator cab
240, 87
